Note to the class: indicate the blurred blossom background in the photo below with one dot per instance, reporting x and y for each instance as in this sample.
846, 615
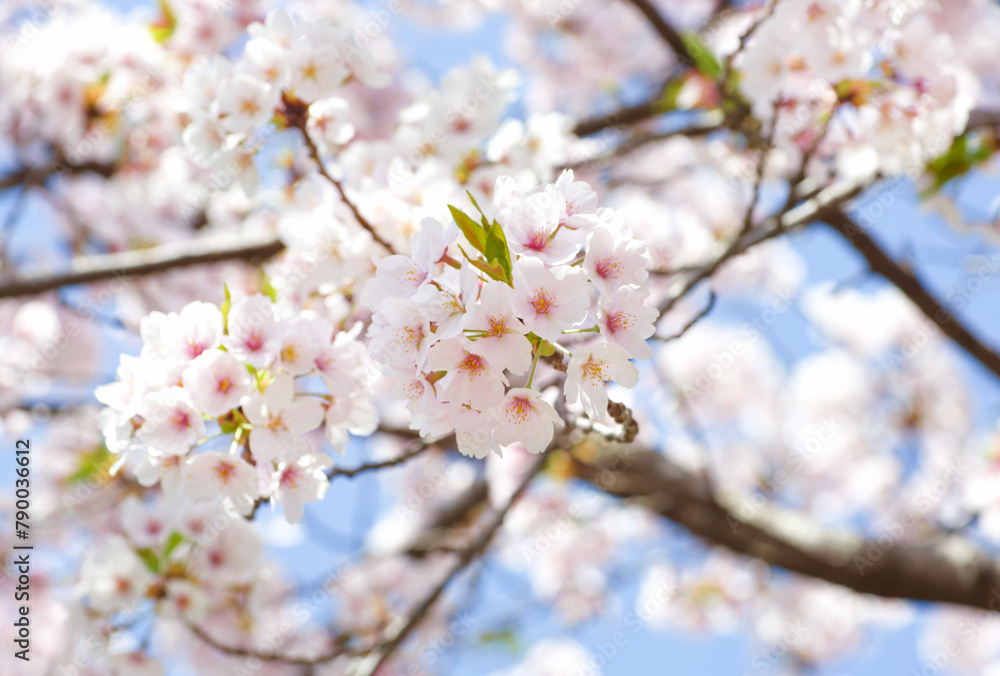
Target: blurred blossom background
252, 259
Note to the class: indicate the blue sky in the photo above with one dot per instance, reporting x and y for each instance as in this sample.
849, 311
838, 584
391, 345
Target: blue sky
351, 505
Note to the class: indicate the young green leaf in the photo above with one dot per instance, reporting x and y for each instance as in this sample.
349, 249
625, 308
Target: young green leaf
475, 233
704, 60
497, 250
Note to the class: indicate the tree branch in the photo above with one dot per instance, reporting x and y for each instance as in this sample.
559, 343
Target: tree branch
140, 262
949, 570
882, 264
379, 657
810, 210
623, 117
667, 32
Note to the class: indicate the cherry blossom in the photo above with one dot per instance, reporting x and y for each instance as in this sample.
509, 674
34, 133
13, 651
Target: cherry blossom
299, 481
279, 418
495, 332
625, 320
208, 475
216, 382
550, 300
526, 418
589, 372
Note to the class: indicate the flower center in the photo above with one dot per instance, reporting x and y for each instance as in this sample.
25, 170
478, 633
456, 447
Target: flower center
224, 471
594, 370
609, 267
538, 240
180, 420
472, 364
290, 477
542, 302
519, 410
619, 321
498, 327
254, 341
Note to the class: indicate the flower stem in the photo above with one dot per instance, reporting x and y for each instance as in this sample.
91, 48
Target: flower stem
534, 363
592, 329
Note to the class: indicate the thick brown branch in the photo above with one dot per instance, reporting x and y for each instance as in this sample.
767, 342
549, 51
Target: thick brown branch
140, 262
38, 175
948, 570
881, 263
624, 117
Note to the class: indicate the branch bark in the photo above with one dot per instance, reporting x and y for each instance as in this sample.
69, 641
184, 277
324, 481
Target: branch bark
141, 262
667, 33
948, 570
882, 264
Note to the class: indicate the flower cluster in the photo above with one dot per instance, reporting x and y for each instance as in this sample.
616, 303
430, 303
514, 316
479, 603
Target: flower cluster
236, 369
463, 339
302, 61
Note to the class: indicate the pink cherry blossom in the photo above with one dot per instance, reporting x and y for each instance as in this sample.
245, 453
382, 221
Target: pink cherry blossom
209, 475
279, 420
470, 379
171, 423
613, 261
549, 300
300, 481
216, 382
254, 335
627, 321
524, 417
496, 333
590, 370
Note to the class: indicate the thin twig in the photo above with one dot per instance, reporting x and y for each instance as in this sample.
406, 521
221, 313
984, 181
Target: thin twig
372, 663
810, 210
371, 466
362, 221
267, 656
667, 32
699, 316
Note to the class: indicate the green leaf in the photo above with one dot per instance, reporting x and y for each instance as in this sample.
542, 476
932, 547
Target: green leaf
546, 349
173, 541
268, 289
506, 638
494, 271
226, 304
165, 25
92, 464
704, 60
475, 204
497, 250
150, 558
965, 152
475, 233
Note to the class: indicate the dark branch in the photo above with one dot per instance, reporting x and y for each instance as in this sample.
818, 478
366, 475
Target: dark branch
881, 263
949, 570
667, 32
142, 262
